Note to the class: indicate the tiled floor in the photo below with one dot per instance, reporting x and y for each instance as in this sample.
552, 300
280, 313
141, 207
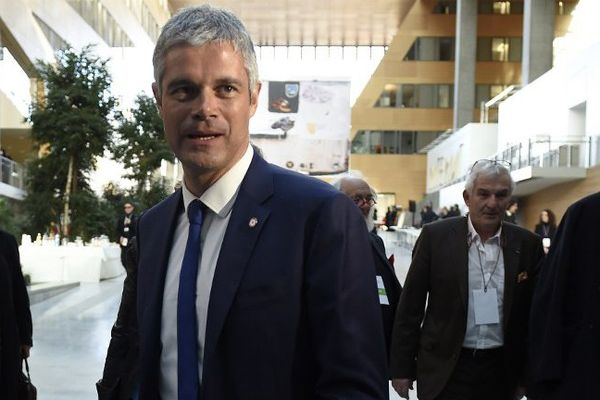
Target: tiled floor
72, 330
70, 334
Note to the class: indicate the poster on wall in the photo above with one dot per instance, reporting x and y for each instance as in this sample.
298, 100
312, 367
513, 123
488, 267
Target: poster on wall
304, 125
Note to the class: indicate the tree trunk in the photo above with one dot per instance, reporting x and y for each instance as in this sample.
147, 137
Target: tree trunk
66, 210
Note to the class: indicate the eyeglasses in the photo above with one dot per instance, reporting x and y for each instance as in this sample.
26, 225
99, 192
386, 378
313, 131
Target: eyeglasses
358, 200
502, 163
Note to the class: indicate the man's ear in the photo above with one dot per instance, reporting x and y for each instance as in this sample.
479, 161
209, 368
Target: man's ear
254, 98
466, 197
156, 92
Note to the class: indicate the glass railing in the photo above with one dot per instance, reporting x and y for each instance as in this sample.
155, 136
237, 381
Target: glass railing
11, 172
577, 152
547, 152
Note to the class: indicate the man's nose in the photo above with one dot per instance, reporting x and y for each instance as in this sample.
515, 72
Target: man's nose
204, 106
492, 201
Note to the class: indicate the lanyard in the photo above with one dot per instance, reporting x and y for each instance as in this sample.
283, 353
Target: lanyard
485, 285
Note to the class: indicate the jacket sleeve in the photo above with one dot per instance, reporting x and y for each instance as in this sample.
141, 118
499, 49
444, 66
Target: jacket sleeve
342, 306
21, 298
120, 368
410, 312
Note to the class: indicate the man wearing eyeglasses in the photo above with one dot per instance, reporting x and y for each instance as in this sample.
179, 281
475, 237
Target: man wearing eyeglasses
388, 286
461, 324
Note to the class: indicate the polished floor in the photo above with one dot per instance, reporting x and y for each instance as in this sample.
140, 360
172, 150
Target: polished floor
72, 330
71, 334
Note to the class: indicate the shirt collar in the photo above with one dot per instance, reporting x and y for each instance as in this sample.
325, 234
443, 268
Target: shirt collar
473, 236
220, 195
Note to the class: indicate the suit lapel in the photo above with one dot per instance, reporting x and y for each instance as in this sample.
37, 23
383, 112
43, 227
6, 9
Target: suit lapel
156, 239
511, 254
380, 252
158, 247
460, 254
247, 220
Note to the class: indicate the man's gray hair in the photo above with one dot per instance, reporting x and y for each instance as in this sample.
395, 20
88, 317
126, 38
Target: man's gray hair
488, 168
200, 25
338, 182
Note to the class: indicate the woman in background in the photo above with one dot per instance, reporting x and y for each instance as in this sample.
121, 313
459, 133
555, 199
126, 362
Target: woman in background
546, 227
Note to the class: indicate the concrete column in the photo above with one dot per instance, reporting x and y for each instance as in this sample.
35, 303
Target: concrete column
464, 63
538, 34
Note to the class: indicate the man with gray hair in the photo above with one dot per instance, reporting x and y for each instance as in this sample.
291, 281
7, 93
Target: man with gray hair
359, 191
236, 297
461, 324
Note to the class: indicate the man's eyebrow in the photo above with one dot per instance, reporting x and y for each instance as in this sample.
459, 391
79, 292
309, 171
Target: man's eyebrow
229, 81
178, 82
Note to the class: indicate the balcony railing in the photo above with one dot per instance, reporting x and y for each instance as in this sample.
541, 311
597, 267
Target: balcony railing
547, 152
11, 172
580, 152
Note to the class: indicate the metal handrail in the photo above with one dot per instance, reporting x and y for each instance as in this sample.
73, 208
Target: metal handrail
549, 152
11, 172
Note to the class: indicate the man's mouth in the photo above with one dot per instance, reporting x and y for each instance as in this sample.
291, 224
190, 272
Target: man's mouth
202, 136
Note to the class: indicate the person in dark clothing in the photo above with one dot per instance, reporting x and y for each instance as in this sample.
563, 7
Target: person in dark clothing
565, 318
126, 229
119, 378
15, 317
428, 215
546, 228
388, 285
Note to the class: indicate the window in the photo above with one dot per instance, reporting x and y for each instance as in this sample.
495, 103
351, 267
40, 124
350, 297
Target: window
95, 14
55, 40
445, 7
388, 97
431, 49
565, 8
501, 49
485, 92
500, 7
391, 142
416, 96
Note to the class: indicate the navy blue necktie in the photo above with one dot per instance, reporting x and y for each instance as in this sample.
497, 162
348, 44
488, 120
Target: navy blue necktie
188, 384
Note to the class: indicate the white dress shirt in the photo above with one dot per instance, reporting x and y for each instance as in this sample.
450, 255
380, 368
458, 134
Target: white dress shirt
489, 253
219, 199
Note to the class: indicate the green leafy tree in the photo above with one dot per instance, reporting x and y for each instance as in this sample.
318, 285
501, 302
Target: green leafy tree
10, 217
71, 126
141, 145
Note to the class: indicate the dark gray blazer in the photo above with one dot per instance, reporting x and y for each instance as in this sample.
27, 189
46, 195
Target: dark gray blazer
439, 269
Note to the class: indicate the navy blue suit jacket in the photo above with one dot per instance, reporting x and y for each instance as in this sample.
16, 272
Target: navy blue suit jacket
293, 310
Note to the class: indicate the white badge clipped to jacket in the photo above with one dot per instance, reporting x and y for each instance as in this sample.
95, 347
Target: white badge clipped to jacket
383, 299
486, 306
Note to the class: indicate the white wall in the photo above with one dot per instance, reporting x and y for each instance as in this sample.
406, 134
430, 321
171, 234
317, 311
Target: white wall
564, 102
453, 195
453, 157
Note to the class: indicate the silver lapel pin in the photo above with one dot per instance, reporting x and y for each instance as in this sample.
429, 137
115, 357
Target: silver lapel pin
253, 221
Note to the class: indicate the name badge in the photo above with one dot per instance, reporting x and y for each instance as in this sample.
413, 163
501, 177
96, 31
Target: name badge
383, 299
486, 306
126, 229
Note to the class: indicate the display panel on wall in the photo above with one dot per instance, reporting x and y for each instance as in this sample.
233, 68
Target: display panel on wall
304, 125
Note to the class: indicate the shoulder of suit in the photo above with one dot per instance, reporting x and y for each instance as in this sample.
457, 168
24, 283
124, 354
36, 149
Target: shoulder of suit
160, 207
589, 203
517, 231
446, 223
300, 187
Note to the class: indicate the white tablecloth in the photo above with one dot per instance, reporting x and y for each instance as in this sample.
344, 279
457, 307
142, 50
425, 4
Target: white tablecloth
71, 263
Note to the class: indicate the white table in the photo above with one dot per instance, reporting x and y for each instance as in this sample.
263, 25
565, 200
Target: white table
71, 263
